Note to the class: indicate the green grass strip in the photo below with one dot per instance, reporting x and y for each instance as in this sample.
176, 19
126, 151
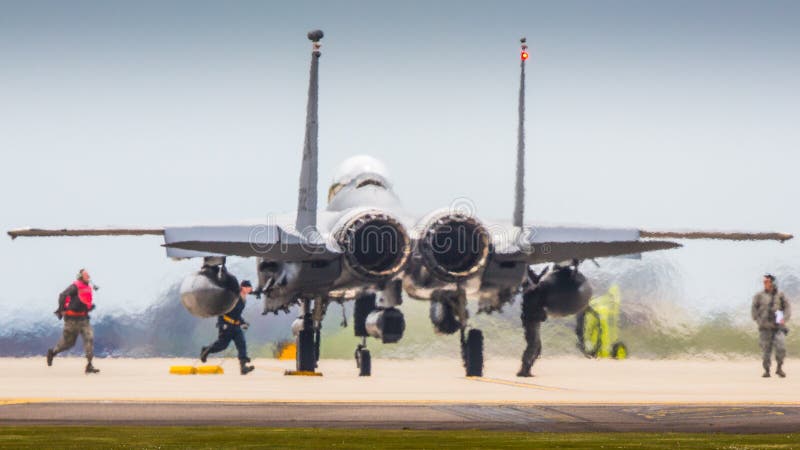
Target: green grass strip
302, 438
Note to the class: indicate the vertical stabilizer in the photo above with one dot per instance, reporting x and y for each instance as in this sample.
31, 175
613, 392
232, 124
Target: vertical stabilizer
307, 194
519, 193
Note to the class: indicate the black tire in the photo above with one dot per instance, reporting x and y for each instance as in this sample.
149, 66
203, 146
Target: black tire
365, 304
306, 353
317, 341
365, 364
473, 353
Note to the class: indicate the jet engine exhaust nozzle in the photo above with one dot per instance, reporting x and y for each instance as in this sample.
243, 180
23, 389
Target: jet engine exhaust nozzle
454, 247
376, 245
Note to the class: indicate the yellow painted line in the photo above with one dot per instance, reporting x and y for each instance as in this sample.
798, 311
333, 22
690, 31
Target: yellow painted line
22, 401
515, 383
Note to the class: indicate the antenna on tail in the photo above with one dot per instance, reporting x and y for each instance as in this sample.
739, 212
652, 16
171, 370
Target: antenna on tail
307, 194
519, 193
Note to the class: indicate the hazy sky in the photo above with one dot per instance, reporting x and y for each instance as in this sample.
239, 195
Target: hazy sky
661, 115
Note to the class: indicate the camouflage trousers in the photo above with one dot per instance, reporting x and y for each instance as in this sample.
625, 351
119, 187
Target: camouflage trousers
533, 340
72, 328
769, 340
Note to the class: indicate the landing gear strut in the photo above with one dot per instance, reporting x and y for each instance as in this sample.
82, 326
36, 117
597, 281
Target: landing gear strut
306, 347
363, 359
364, 305
307, 332
471, 341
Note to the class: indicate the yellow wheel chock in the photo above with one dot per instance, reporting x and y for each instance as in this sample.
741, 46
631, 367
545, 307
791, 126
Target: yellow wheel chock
302, 373
191, 370
182, 370
210, 370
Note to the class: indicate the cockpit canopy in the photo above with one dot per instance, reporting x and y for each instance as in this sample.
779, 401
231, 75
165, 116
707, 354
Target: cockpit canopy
361, 170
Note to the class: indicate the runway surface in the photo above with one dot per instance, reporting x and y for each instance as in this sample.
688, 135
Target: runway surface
519, 417
566, 395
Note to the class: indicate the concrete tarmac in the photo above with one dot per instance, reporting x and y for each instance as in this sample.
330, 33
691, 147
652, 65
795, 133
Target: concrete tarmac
568, 394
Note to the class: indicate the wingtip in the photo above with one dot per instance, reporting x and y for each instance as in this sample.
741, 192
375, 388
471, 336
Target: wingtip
670, 245
717, 235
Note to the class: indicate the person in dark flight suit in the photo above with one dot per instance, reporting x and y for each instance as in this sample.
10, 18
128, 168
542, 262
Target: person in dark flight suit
230, 327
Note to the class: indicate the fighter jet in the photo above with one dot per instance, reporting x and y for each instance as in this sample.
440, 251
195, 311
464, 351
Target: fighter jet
365, 247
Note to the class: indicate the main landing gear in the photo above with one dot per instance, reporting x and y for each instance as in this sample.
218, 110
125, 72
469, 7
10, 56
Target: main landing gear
448, 315
306, 329
471, 341
472, 352
378, 319
364, 304
363, 359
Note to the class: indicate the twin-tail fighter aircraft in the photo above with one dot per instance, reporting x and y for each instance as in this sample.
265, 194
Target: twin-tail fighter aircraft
364, 246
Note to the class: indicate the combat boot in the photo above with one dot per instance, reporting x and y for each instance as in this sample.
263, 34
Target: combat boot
766, 374
245, 368
91, 369
525, 371
50, 355
204, 354
780, 371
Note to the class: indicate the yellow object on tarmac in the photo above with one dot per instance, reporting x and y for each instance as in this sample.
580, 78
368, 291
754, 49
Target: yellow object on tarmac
191, 370
210, 370
302, 373
286, 351
598, 327
182, 370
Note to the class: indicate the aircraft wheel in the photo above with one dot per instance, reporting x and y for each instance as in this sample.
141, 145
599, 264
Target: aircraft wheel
619, 351
306, 352
473, 353
364, 361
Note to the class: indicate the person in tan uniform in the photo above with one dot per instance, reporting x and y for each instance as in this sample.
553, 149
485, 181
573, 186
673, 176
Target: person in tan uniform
771, 310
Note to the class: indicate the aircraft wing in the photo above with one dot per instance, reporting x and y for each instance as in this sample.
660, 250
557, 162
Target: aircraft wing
106, 231
270, 241
542, 244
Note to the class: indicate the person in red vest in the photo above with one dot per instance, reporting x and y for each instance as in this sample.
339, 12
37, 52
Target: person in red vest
74, 305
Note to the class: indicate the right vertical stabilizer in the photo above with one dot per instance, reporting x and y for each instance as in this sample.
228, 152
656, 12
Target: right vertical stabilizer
519, 192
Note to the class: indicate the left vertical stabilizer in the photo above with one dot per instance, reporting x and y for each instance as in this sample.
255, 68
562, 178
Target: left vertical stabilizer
307, 194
